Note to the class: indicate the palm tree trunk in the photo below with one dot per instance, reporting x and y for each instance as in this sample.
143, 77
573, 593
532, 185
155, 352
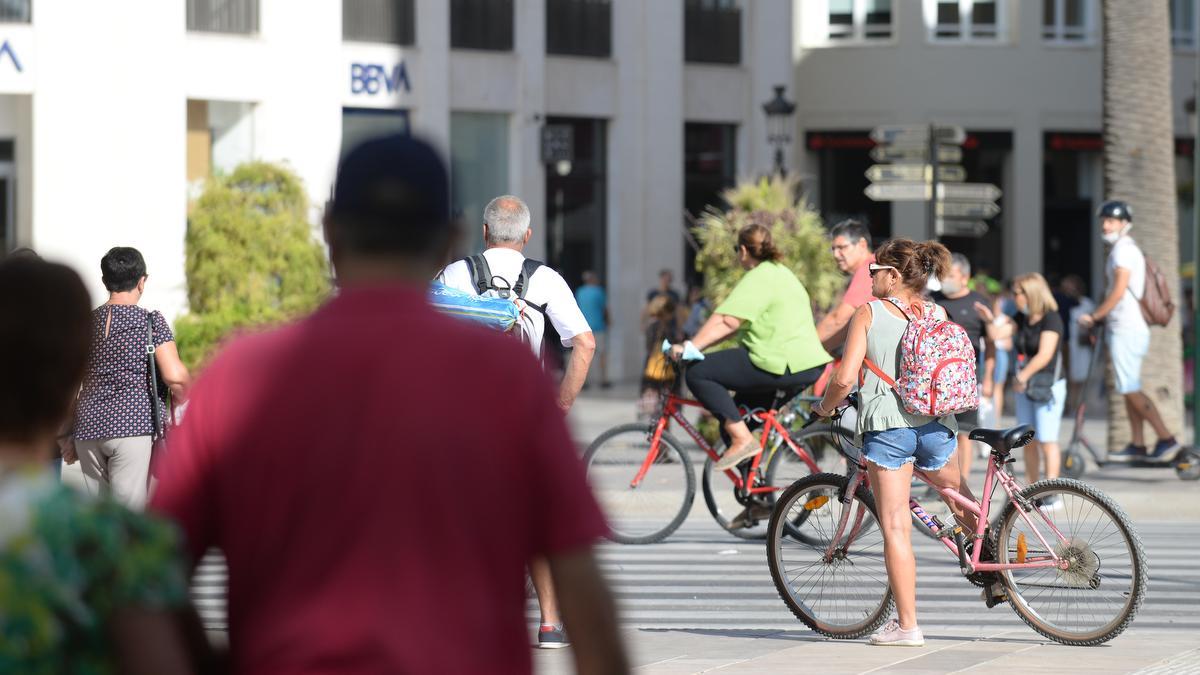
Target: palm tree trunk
1139, 167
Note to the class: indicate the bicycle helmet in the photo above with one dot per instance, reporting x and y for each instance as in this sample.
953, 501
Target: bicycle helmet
1115, 209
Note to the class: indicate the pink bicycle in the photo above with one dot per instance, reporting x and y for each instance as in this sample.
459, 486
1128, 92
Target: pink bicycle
1075, 572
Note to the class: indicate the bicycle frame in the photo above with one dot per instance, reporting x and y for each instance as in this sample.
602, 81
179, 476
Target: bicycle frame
948, 535
673, 408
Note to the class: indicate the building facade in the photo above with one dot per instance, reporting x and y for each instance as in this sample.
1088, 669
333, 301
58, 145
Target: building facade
1024, 78
113, 114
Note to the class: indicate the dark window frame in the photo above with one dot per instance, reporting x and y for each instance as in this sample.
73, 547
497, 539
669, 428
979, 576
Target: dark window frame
485, 25
712, 33
579, 28
232, 17
392, 22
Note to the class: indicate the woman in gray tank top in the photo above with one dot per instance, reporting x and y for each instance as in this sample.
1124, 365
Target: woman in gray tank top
894, 440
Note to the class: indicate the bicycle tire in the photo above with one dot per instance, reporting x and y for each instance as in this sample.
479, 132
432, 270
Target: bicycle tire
1085, 574
1187, 465
1073, 464
628, 524
822, 520
725, 510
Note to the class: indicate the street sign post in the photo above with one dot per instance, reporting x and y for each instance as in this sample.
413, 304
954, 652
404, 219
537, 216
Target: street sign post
918, 154
967, 209
917, 134
898, 192
920, 163
887, 173
975, 192
961, 228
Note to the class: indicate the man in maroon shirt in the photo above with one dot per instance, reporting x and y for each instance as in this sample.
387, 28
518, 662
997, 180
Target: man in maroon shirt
378, 475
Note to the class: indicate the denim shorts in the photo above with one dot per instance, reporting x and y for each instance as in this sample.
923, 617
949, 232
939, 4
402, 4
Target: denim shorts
1045, 416
1000, 373
929, 446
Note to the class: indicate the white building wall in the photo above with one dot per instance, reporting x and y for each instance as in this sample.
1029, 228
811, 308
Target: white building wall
99, 114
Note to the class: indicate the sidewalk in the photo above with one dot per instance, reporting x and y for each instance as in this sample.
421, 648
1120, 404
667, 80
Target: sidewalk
946, 650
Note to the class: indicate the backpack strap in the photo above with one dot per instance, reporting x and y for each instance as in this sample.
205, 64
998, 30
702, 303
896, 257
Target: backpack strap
870, 365
481, 273
527, 269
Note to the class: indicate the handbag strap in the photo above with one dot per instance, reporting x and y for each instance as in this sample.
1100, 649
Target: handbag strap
153, 372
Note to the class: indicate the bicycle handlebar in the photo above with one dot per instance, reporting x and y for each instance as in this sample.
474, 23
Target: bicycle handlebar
851, 402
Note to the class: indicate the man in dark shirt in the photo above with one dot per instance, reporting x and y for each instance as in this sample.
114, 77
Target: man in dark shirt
959, 302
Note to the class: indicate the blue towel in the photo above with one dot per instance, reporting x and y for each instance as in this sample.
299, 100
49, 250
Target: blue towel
496, 313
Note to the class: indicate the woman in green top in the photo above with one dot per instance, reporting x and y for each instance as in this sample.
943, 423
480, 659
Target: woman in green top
86, 586
779, 346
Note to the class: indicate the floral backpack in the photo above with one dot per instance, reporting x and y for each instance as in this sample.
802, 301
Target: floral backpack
937, 365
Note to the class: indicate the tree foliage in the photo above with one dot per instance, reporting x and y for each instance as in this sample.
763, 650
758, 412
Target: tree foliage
251, 258
795, 227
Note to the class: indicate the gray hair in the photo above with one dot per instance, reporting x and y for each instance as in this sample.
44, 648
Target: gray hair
960, 261
507, 218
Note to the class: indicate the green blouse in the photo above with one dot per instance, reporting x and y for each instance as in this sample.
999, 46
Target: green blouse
777, 328
67, 562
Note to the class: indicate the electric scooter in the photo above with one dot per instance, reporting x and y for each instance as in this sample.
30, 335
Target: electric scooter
1186, 460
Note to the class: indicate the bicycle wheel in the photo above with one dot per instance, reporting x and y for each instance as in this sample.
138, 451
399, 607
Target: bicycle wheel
657, 505
1187, 465
837, 590
1073, 464
1094, 599
724, 505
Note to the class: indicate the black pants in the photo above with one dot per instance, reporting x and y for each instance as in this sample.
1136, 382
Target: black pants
711, 379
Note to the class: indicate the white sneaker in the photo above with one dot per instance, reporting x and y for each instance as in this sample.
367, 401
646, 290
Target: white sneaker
892, 635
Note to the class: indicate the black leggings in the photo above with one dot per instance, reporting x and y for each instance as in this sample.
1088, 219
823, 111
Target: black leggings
711, 379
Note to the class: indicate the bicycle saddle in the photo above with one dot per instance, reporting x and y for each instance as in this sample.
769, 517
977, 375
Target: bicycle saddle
1004, 439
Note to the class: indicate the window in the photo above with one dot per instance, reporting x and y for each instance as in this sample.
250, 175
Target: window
222, 16
965, 20
579, 27
712, 32
386, 21
15, 11
1183, 24
361, 124
859, 20
481, 24
478, 168
1067, 20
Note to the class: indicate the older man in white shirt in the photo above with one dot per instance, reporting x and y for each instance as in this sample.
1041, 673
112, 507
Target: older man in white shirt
546, 295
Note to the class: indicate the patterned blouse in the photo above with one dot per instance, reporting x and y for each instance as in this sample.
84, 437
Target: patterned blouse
115, 399
67, 562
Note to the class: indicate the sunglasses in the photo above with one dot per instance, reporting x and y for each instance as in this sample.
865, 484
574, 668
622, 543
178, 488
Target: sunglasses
873, 268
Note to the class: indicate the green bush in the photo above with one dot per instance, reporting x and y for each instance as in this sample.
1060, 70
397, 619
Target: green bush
251, 258
795, 227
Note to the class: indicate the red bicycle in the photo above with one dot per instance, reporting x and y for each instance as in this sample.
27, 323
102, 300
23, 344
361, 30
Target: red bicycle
644, 480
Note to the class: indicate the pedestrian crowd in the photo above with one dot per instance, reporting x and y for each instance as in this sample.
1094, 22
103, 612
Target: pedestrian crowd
382, 477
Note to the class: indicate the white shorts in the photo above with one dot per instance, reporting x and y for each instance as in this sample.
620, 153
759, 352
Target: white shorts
1128, 350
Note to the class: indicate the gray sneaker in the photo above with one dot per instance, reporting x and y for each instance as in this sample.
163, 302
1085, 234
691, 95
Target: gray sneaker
552, 637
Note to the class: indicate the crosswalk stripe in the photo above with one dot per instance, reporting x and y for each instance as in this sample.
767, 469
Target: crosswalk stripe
701, 577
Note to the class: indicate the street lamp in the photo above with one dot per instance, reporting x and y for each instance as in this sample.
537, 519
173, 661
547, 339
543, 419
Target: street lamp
779, 112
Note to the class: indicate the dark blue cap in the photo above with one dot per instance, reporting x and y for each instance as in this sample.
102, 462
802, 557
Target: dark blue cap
392, 182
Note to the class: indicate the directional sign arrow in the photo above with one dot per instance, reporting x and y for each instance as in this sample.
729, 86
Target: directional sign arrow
962, 228
967, 209
974, 192
917, 133
884, 173
897, 192
918, 154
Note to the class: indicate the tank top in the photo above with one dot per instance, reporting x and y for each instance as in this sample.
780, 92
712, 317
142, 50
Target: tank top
880, 407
